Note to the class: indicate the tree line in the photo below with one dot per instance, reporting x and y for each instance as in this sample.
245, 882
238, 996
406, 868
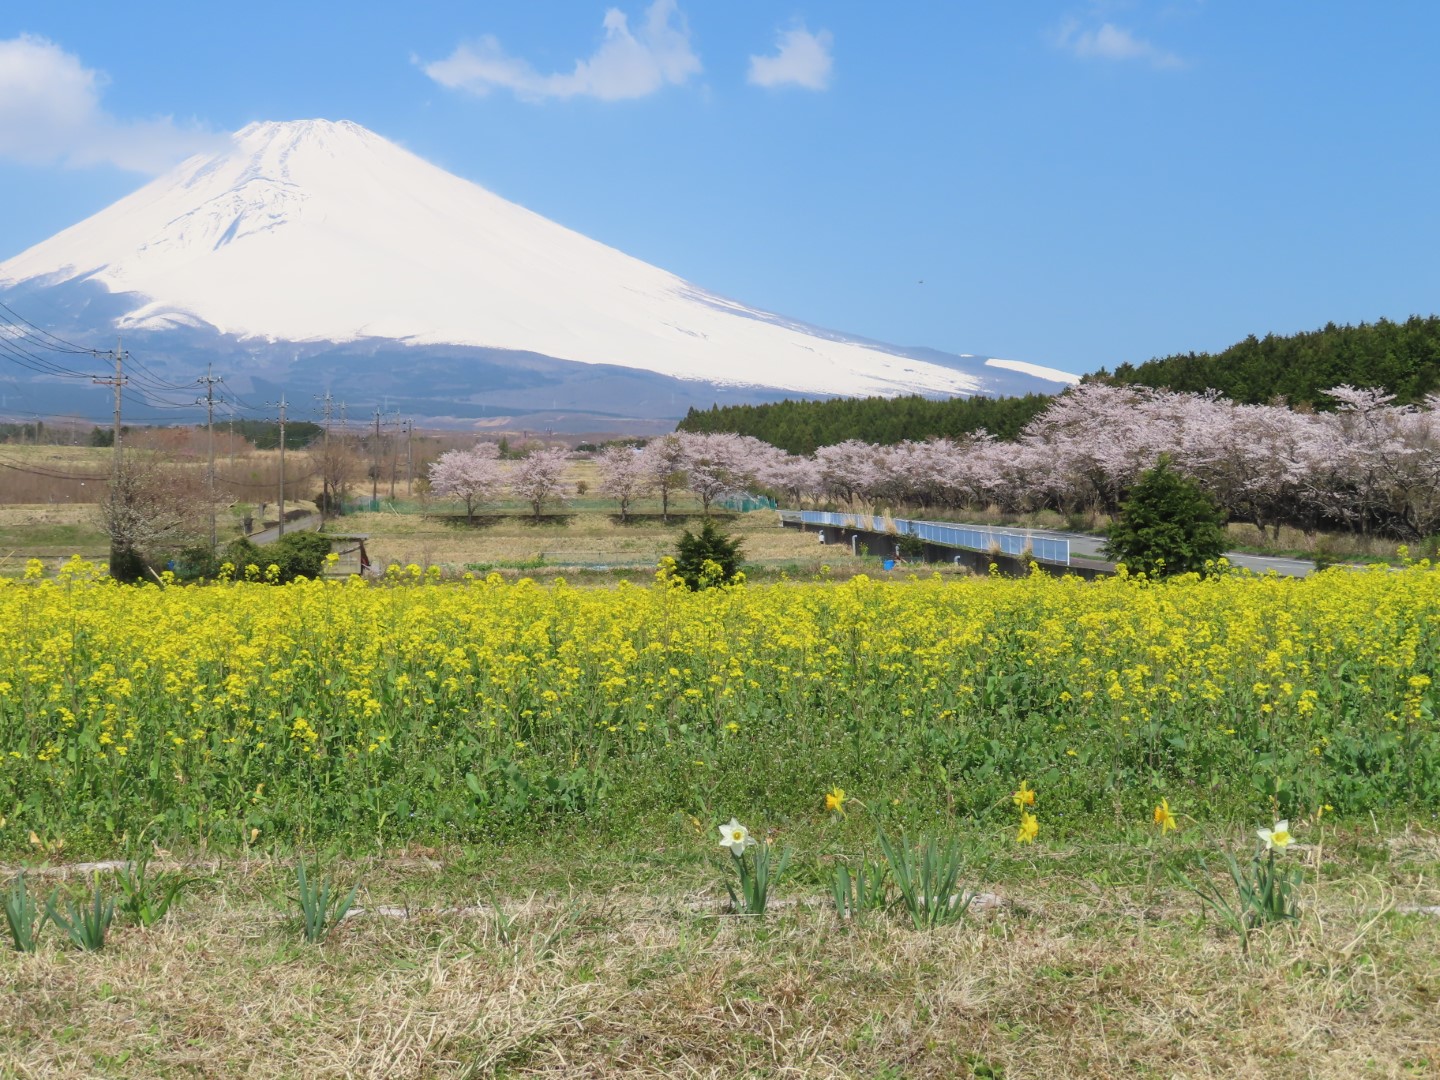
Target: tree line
801, 427
1300, 368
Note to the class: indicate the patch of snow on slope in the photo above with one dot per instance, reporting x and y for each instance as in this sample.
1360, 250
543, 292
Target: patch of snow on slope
1039, 371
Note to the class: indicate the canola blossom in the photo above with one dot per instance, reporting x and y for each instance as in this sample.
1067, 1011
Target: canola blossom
247, 713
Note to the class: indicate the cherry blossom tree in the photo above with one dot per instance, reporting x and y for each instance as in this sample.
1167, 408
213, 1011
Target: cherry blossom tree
792, 475
722, 464
536, 479
624, 476
664, 461
471, 475
847, 469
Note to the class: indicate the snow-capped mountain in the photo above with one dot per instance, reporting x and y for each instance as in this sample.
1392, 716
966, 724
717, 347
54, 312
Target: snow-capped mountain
316, 239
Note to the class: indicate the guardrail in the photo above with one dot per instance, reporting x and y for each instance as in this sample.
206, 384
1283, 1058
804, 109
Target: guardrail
966, 537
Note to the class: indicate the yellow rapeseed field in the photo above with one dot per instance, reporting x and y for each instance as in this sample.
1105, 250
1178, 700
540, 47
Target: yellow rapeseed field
413, 709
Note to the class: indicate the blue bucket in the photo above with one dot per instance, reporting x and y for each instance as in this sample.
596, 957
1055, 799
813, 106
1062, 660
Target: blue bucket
888, 564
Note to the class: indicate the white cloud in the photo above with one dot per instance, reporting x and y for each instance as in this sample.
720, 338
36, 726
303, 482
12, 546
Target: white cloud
50, 114
802, 59
1111, 42
626, 65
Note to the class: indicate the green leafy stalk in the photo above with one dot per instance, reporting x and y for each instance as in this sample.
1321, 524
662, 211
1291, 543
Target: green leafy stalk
756, 878
864, 891
84, 924
320, 908
1264, 893
144, 900
22, 915
927, 879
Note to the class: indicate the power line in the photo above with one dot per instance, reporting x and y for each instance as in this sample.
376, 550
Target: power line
60, 344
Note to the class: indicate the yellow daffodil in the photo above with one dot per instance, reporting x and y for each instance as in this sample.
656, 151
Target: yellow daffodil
835, 800
1024, 797
1278, 837
1029, 828
1163, 817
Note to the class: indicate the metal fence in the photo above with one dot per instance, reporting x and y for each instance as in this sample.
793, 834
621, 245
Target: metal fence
747, 502
967, 537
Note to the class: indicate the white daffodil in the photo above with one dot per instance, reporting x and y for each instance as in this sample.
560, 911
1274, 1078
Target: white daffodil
736, 837
1278, 837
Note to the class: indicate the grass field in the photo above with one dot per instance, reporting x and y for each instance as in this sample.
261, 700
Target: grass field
568, 960
525, 778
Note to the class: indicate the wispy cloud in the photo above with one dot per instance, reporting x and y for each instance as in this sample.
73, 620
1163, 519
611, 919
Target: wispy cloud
1111, 42
626, 65
801, 59
50, 113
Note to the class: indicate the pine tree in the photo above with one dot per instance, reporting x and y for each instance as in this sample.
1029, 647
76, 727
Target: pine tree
1167, 525
710, 545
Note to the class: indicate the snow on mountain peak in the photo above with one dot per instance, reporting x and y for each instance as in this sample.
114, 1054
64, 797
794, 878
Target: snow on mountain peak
319, 230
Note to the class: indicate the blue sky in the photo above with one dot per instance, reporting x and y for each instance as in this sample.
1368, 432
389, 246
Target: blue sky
1075, 184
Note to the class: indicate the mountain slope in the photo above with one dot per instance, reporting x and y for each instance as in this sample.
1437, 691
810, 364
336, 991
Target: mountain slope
315, 232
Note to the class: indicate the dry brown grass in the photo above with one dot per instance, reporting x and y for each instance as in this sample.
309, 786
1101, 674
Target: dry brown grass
586, 536
633, 978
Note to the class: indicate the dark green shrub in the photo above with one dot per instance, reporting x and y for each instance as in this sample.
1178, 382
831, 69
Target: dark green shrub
241, 553
297, 554
195, 563
300, 554
710, 545
910, 546
1167, 525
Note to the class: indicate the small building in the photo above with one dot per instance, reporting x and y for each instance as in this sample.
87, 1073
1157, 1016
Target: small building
350, 547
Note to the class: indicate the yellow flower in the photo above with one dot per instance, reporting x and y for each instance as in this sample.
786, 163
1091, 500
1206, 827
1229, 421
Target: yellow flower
1163, 817
835, 800
1024, 797
1029, 827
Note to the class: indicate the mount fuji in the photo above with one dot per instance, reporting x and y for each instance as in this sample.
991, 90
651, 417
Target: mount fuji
317, 255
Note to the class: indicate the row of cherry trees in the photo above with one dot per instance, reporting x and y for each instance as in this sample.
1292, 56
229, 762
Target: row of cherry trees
1368, 464
475, 476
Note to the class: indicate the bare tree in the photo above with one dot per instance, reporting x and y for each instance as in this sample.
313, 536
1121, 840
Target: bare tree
154, 509
338, 465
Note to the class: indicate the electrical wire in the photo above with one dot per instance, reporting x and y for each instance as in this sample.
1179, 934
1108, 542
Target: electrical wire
60, 344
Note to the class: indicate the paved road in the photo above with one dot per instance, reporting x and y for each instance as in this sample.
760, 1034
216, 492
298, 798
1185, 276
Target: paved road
308, 523
1085, 546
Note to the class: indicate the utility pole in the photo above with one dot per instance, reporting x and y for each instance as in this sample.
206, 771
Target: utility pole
409, 460
375, 467
394, 461
327, 405
281, 405
209, 380
117, 381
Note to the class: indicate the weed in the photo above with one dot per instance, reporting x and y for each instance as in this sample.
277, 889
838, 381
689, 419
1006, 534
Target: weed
22, 916
321, 909
84, 924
